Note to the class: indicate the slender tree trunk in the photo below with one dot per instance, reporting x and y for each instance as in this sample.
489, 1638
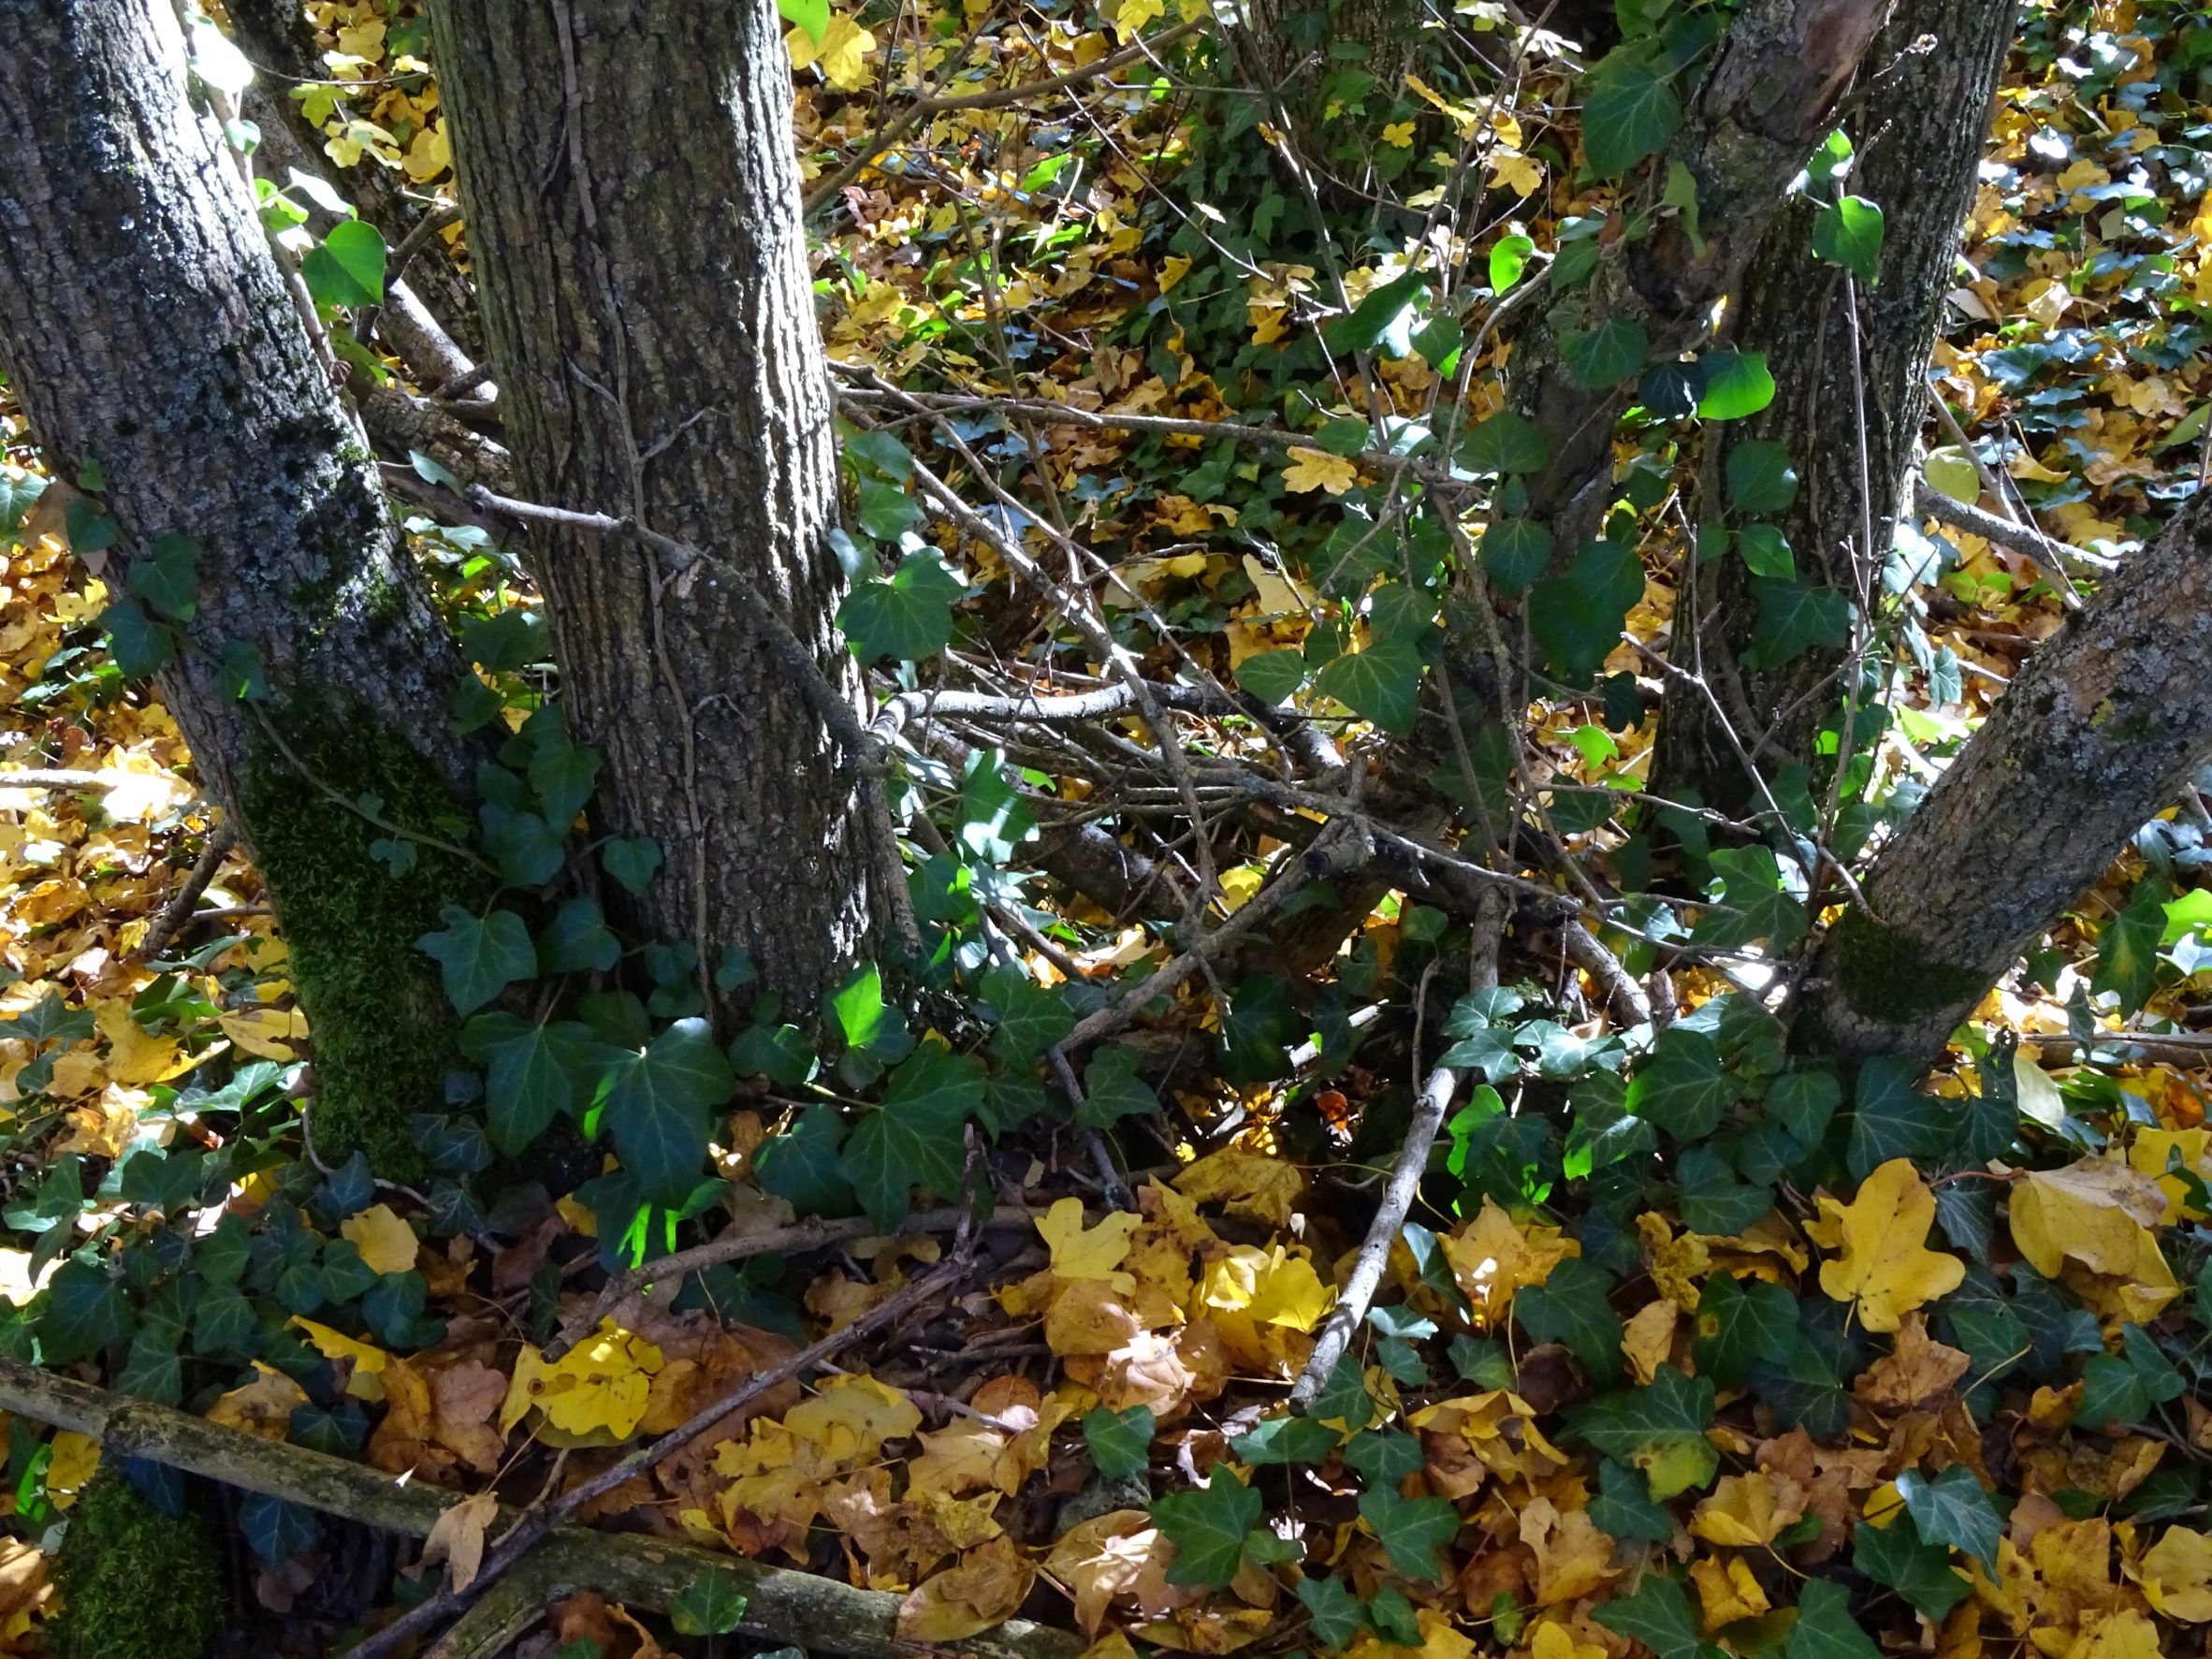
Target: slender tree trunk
155, 347
632, 202
1920, 134
2097, 734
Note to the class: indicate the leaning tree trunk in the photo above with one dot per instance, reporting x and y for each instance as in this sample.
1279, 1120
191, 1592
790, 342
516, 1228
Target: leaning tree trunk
151, 338
1921, 136
643, 274
2098, 732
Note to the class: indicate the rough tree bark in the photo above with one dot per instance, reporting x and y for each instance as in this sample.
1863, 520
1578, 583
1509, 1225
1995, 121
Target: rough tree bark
632, 202
1933, 81
2097, 734
149, 336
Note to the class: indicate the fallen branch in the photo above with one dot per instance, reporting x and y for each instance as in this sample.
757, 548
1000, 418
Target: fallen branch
185, 900
541, 1520
1625, 997
1435, 1100
2020, 538
783, 1607
810, 1234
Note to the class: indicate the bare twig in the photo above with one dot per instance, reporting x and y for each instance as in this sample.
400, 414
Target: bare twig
2025, 539
185, 900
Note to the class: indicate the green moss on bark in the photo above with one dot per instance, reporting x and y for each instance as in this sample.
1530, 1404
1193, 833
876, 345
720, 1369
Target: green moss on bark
136, 1583
384, 1034
1885, 976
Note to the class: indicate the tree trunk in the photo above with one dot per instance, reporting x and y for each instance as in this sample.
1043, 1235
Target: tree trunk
2097, 734
151, 338
633, 202
1921, 141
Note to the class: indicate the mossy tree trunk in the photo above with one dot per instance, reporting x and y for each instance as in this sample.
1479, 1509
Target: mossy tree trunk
1920, 134
151, 339
633, 202
2096, 735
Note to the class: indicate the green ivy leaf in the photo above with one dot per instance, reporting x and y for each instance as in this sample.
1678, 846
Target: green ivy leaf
812, 17
577, 940
907, 617
166, 576
1890, 1118
1824, 1628
348, 268
1849, 233
1737, 384
1602, 358
1119, 1442
1272, 675
1111, 1089
1659, 1429
1803, 1100
1334, 1616
84, 1312
1382, 683
632, 861
1508, 258
1515, 552
1793, 619
1631, 113
804, 1163
709, 1605
1712, 1200
1571, 1306
478, 957
1412, 1531
654, 1106
1382, 318
2128, 946
1658, 1615
1623, 1509
1577, 616
1503, 442
1922, 1573
141, 646
1209, 1528
1952, 1509
1681, 1087
1760, 477
1766, 552
915, 1135
1740, 1321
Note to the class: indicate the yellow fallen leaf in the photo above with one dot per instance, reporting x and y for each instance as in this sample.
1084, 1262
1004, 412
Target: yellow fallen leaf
1746, 1511
983, 1590
74, 1459
2092, 1223
1517, 173
851, 1417
367, 1380
457, 1538
266, 1033
1727, 1593
1314, 469
388, 1244
2176, 1573
1887, 1267
1262, 1189
2124, 1635
1649, 1338
594, 1394
429, 156
264, 1407
1095, 1254
1172, 269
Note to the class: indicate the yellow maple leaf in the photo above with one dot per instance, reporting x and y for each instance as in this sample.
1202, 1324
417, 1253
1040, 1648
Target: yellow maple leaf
1727, 1593
264, 1407
1887, 1267
367, 1380
75, 1458
1746, 1511
983, 1590
2092, 1223
1261, 1189
851, 1417
2124, 1635
1092, 1254
266, 1033
1649, 1337
2176, 1573
1553, 1641
1517, 173
842, 52
1573, 1557
1491, 1257
388, 1244
1312, 469
594, 1394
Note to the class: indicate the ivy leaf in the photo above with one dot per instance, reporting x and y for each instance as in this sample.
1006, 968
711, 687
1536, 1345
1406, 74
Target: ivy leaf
1659, 1429
1681, 1087
1287, 1440
1623, 1509
1571, 1306
166, 576
1335, 1617
479, 957
577, 940
655, 1105
1120, 1442
1758, 904
915, 1135
1737, 384
1766, 552
1740, 1321
632, 861
1515, 552
348, 268
805, 1165
141, 646
1577, 616
1922, 1573
1712, 1200
1208, 1528
1891, 1119
907, 617
1760, 477
1412, 1529
1849, 233
1113, 1090
1793, 619
1606, 355
1382, 683
85, 1313
1803, 1100
1272, 675
709, 1605
1824, 1628
274, 1528
1658, 1615
1384, 1458
1031, 1017
1952, 1509
1503, 442
2128, 946
810, 15
1631, 113
1382, 317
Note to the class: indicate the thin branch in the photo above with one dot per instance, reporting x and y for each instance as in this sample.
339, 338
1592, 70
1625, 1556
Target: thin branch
185, 900
2020, 538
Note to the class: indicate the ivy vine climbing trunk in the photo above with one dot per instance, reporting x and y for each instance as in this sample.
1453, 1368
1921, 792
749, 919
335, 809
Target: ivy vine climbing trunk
148, 332
2096, 735
1931, 84
633, 203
